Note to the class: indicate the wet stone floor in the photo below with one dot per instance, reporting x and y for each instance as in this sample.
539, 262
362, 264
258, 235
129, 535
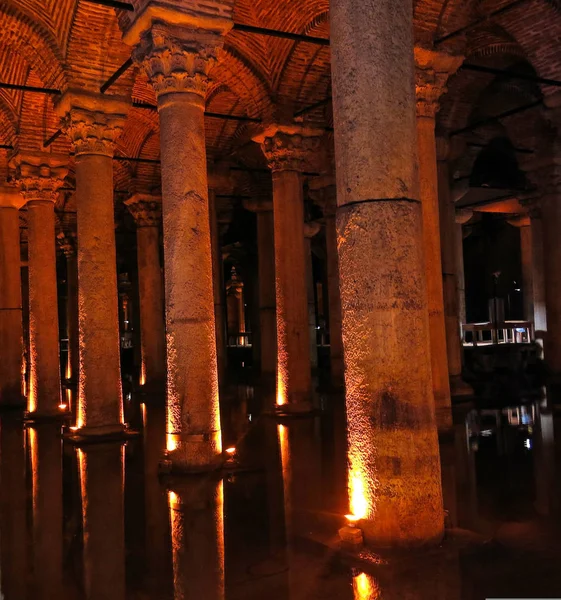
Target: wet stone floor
98, 522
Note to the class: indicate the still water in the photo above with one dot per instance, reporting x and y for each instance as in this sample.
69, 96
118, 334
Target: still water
101, 522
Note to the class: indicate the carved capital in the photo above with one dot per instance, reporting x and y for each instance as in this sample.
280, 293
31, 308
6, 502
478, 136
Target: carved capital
177, 59
146, 209
66, 242
235, 285
39, 175
463, 215
311, 229
258, 205
431, 75
290, 148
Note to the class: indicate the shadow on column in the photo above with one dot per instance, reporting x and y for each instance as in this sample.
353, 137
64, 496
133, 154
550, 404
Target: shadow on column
101, 481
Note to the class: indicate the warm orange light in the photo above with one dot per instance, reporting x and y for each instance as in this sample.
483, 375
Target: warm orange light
365, 587
62, 406
358, 502
172, 442
352, 519
230, 451
74, 428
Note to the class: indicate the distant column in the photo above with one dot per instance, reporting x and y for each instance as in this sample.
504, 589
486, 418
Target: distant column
311, 230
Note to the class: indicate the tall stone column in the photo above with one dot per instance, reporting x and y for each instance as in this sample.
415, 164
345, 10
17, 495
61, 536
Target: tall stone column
235, 304
93, 123
194, 438
433, 70
522, 223
147, 212
11, 328
218, 287
311, 230
324, 193
538, 275
394, 465
462, 217
266, 276
448, 232
286, 150
40, 175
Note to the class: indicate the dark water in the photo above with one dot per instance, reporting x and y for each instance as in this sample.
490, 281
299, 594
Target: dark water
99, 522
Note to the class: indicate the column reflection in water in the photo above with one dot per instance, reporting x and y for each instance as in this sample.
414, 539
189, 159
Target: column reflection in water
466, 482
156, 502
13, 530
102, 490
46, 471
197, 534
547, 491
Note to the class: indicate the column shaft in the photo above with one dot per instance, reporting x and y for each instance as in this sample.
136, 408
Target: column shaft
72, 368
433, 265
152, 331
11, 329
311, 296
44, 383
460, 273
100, 407
540, 321
527, 272
193, 409
267, 299
294, 381
394, 465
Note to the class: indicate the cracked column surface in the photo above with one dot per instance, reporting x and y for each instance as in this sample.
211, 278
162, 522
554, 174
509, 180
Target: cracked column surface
193, 427
287, 150
93, 123
147, 212
394, 466
11, 324
40, 175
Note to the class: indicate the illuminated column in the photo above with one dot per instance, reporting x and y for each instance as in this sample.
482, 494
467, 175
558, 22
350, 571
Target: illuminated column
11, 327
432, 72
538, 275
448, 232
93, 123
197, 539
46, 476
235, 304
523, 224
40, 176
194, 440
394, 463
101, 484
462, 217
286, 150
324, 193
310, 230
147, 212
217, 287
266, 276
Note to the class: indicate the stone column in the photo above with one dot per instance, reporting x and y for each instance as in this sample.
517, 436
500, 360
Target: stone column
11, 328
394, 465
324, 193
286, 150
448, 232
433, 70
40, 175
93, 123
266, 276
147, 212
522, 223
310, 230
235, 304
194, 439
538, 275
462, 217
217, 287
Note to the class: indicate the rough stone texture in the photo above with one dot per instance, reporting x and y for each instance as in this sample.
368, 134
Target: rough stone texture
11, 330
72, 319
311, 230
101, 484
147, 213
394, 466
235, 308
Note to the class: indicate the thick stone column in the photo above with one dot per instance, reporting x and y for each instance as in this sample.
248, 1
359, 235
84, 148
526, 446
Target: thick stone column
311, 230
266, 276
218, 287
448, 232
147, 212
286, 150
194, 439
39, 177
11, 328
433, 70
394, 465
93, 123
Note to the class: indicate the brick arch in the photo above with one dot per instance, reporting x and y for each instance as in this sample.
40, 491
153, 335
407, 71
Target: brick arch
8, 122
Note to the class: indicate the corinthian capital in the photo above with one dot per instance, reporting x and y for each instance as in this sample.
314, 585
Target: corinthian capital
431, 76
290, 148
146, 209
39, 175
92, 122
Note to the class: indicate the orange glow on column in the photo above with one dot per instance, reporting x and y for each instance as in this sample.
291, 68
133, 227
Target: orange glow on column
357, 500
281, 389
365, 587
172, 442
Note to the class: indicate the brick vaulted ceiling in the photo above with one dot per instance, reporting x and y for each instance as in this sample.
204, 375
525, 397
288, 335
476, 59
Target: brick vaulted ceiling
58, 43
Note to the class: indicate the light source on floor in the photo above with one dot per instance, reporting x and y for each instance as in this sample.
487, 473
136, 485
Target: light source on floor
62, 406
365, 587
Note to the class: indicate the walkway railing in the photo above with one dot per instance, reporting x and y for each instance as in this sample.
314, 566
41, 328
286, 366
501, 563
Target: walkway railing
507, 332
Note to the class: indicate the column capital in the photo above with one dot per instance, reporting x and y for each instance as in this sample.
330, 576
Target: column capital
463, 215
11, 197
146, 209
66, 242
258, 205
432, 70
93, 122
234, 285
311, 229
39, 175
289, 147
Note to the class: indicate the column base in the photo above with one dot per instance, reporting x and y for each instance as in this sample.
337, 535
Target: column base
296, 409
192, 454
44, 417
105, 433
459, 388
